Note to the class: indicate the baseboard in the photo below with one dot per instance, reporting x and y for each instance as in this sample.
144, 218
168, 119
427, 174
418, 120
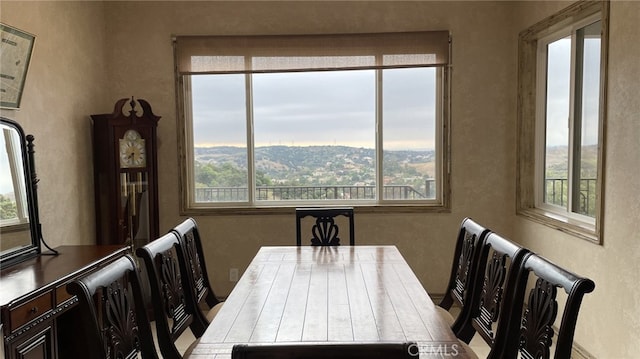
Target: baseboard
578, 352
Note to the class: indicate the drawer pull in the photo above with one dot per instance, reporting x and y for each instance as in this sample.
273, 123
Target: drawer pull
34, 310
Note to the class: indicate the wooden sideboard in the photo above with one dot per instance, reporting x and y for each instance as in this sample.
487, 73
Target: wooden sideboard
36, 310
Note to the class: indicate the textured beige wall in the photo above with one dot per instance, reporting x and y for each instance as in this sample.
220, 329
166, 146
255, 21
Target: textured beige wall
140, 59
609, 320
89, 54
66, 82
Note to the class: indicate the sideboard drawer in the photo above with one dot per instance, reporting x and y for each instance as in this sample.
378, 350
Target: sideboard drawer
30, 310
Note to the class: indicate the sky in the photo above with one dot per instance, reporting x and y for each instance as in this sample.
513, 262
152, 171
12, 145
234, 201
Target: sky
6, 184
338, 107
558, 82
316, 108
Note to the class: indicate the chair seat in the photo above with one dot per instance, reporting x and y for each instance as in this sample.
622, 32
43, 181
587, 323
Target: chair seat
189, 350
214, 311
467, 348
444, 314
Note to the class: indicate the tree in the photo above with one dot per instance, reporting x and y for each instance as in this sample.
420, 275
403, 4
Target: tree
8, 209
262, 179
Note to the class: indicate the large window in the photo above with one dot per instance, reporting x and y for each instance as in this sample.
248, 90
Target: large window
562, 120
356, 120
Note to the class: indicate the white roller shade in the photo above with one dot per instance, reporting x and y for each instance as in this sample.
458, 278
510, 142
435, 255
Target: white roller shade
254, 54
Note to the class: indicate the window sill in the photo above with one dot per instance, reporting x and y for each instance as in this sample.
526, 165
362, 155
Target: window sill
14, 226
561, 223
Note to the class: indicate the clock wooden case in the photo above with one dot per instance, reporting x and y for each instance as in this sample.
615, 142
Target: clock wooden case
126, 174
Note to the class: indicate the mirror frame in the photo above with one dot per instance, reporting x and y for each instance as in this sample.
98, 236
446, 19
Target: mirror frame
33, 249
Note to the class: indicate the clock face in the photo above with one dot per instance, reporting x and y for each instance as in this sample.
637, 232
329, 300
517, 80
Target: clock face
132, 150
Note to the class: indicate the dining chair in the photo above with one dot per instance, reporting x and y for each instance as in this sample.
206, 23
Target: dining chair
381, 350
324, 231
191, 246
532, 333
499, 263
174, 305
112, 318
463, 276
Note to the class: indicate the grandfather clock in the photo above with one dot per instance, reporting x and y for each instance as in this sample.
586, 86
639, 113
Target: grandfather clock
126, 174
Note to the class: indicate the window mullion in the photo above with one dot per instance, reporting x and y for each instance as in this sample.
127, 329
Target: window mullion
574, 113
379, 134
251, 172
540, 124
576, 132
185, 85
442, 112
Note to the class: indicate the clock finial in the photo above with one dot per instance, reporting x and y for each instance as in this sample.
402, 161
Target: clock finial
132, 103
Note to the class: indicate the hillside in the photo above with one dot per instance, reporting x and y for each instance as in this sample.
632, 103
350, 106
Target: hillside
557, 159
321, 164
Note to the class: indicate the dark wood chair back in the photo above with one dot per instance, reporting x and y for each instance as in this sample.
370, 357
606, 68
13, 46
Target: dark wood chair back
326, 350
191, 245
112, 315
463, 276
499, 263
325, 231
532, 329
174, 305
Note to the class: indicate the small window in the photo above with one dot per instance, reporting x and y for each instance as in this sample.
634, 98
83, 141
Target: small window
562, 111
279, 122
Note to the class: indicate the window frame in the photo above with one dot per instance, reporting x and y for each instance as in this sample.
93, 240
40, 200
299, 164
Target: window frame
531, 131
186, 156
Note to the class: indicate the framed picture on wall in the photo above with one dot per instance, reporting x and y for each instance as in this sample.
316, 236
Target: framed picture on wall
15, 53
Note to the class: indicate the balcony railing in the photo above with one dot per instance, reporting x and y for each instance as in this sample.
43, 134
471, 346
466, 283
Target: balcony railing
337, 192
557, 190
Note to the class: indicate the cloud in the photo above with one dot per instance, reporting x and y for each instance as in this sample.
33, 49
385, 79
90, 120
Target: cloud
559, 91
316, 108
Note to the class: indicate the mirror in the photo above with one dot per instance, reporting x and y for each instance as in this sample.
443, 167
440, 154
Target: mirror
19, 224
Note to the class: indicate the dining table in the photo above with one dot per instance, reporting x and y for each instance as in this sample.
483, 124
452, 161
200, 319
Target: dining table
329, 294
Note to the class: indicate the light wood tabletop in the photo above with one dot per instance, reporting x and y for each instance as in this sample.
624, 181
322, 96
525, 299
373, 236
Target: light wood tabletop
329, 294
